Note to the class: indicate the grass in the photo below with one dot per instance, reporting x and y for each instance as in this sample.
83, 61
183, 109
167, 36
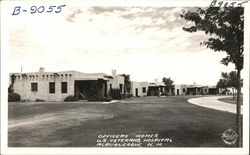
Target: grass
79, 124
231, 100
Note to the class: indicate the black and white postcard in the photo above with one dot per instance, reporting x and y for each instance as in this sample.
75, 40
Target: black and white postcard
125, 77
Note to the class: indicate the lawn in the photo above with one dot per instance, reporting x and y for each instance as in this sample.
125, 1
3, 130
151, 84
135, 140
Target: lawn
231, 100
79, 124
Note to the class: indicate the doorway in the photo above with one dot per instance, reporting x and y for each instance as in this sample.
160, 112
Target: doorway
136, 92
85, 89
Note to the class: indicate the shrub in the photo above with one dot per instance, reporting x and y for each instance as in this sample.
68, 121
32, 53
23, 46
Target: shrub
106, 99
130, 95
12, 97
10, 89
93, 98
70, 98
26, 100
115, 94
103, 99
39, 100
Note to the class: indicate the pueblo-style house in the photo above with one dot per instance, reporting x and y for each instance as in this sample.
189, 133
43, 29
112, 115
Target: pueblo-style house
56, 86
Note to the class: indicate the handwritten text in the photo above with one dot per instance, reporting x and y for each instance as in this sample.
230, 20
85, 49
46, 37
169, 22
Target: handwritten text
216, 3
38, 9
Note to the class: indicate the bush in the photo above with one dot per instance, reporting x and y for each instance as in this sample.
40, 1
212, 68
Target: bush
130, 95
93, 98
70, 98
26, 100
115, 94
106, 99
103, 99
39, 100
12, 97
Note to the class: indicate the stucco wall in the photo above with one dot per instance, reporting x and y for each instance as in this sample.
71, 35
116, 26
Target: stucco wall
139, 86
180, 88
116, 81
22, 86
205, 90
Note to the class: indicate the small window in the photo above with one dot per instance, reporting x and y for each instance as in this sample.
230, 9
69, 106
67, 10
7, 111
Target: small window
144, 89
34, 86
64, 87
183, 90
52, 87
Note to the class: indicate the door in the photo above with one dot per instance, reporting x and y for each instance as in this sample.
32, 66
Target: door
177, 91
136, 91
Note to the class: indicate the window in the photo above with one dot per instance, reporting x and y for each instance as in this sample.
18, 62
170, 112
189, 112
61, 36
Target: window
110, 86
205, 90
144, 89
52, 87
34, 86
183, 90
64, 87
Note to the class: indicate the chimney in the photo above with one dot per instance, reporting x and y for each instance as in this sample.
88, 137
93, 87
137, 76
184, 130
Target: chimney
41, 69
113, 72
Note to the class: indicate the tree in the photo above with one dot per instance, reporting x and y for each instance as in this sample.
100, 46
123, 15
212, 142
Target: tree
223, 84
229, 80
169, 84
225, 27
12, 81
232, 80
127, 84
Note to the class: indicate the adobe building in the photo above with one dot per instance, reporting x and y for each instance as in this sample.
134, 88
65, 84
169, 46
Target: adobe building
155, 89
212, 90
139, 89
194, 89
227, 91
180, 89
148, 89
56, 86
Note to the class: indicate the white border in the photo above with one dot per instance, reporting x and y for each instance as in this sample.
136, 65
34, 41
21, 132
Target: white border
4, 85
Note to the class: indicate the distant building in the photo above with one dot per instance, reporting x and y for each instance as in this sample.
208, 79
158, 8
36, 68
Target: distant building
194, 89
157, 88
212, 90
139, 88
148, 89
180, 89
55, 86
227, 91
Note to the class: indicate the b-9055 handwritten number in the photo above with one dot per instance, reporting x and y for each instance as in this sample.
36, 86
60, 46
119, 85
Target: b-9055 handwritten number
38, 9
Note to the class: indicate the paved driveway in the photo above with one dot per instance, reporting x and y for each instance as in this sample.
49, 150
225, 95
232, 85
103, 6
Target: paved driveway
212, 102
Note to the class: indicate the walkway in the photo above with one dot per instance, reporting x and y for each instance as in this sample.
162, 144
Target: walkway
213, 103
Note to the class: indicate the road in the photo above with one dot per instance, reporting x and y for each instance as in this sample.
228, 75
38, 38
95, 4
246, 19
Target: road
212, 102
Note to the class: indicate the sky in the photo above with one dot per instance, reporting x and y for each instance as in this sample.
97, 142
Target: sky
147, 43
